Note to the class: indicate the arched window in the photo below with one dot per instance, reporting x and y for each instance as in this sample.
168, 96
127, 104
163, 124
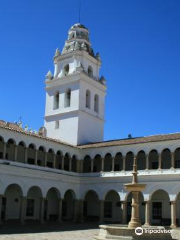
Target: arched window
88, 99
66, 70
67, 100
56, 101
96, 103
90, 71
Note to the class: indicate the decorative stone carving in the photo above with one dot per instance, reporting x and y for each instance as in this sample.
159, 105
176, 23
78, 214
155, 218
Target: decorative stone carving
98, 57
49, 76
57, 53
103, 80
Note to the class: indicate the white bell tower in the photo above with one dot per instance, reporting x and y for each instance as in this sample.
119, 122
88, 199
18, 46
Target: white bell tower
75, 95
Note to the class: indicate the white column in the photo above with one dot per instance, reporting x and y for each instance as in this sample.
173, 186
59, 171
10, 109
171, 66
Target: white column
147, 213
147, 162
173, 214
159, 161
101, 212
62, 161
124, 163
70, 164
23, 209
92, 164
45, 159
172, 160
113, 162
124, 212
102, 164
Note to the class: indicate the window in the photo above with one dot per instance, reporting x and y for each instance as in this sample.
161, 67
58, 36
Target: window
96, 103
90, 71
30, 208
56, 101
67, 101
66, 70
108, 209
56, 124
157, 210
88, 99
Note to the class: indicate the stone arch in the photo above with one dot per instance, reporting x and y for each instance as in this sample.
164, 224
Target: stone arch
66, 70
177, 157
141, 160
97, 163
129, 161
74, 163
21, 152
118, 162
87, 164
68, 205
90, 71
33, 207
67, 158
56, 101
52, 196
112, 207
91, 206
12, 202
153, 159
88, 99
10, 149
108, 163
67, 99
96, 103
41, 156
50, 158
59, 157
166, 158
160, 207
31, 153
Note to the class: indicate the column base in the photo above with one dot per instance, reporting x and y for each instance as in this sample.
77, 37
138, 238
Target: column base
146, 225
134, 224
173, 226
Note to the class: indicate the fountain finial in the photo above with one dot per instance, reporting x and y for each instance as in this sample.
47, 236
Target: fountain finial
135, 172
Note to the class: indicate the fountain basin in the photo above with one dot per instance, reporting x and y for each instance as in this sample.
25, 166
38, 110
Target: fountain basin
122, 232
134, 187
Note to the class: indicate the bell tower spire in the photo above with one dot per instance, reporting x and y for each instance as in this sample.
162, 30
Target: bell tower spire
75, 94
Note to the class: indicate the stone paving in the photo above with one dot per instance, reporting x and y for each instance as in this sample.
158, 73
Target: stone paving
50, 232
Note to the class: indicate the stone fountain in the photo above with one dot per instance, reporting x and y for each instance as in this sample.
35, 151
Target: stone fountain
135, 188
134, 230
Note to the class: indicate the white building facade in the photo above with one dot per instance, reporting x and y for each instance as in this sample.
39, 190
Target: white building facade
66, 172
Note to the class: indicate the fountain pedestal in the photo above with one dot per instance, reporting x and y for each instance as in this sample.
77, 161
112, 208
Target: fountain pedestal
128, 232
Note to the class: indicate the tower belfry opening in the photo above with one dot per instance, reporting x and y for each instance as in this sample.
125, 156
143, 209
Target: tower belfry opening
77, 90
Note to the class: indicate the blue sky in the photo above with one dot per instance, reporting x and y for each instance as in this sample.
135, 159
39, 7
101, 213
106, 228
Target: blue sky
138, 41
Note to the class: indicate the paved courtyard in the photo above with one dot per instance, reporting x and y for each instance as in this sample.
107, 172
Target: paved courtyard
67, 231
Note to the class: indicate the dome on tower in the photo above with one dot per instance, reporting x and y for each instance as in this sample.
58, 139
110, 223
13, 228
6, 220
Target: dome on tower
78, 39
78, 25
